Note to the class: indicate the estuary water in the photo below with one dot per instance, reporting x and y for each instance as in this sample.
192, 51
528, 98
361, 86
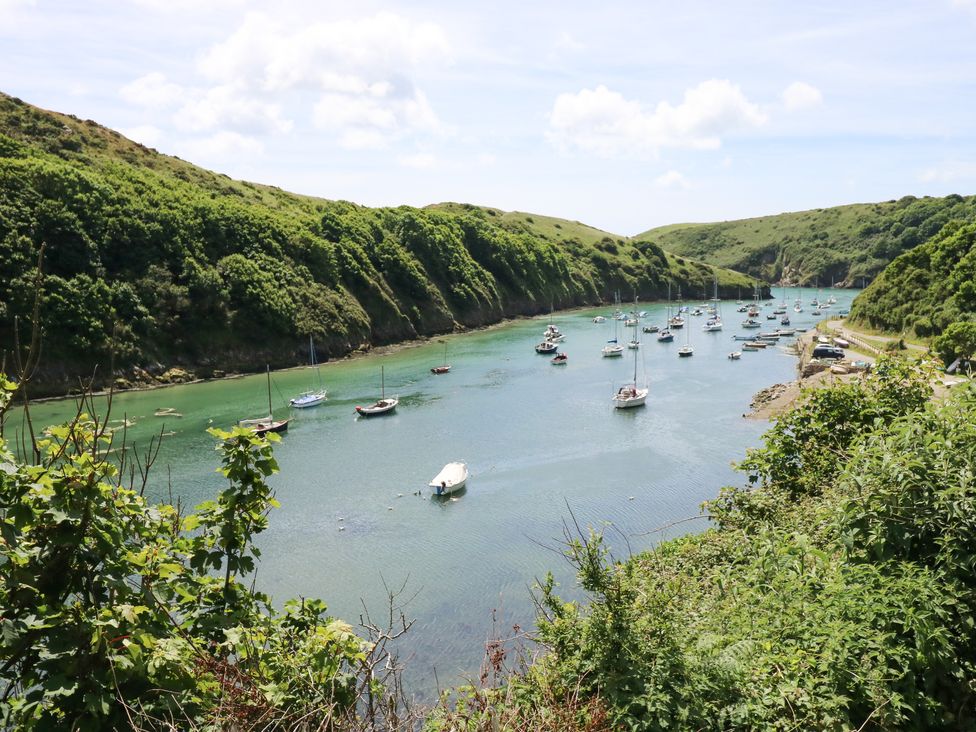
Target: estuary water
540, 441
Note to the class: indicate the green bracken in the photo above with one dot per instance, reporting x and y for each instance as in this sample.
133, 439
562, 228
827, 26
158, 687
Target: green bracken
846, 245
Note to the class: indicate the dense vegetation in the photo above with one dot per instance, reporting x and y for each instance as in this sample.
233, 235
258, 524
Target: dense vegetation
843, 244
927, 289
836, 592
118, 614
163, 263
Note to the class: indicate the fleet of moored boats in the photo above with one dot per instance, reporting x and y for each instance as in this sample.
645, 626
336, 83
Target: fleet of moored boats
453, 477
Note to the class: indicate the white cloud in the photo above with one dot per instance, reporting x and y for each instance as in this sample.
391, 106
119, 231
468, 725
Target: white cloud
11, 9
221, 145
178, 6
800, 95
144, 134
604, 122
949, 172
374, 120
672, 179
487, 159
362, 68
226, 107
566, 41
374, 48
421, 161
153, 91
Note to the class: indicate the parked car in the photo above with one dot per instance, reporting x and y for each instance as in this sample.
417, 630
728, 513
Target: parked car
823, 351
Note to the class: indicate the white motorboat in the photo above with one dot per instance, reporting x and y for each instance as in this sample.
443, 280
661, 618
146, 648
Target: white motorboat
452, 478
735, 355
599, 319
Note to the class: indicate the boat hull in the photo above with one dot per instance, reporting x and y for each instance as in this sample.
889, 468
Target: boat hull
383, 406
307, 400
452, 478
264, 427
630, 396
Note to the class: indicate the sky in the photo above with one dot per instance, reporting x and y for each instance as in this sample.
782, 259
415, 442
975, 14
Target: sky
622, 115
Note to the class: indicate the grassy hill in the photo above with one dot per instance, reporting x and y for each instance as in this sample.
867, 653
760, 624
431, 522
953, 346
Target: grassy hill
164, 263
926, 289
843, 244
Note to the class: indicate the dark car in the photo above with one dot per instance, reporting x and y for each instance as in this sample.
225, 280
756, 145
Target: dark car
828, 352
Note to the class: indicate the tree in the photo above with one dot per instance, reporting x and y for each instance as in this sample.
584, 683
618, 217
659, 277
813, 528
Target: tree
957, 341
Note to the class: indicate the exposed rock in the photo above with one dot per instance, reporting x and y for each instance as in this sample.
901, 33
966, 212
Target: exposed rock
768, 394
176, 376
814, 367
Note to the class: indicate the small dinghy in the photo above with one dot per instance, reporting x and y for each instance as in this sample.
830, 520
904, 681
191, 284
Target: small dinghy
452, 478
735, 355
559, 359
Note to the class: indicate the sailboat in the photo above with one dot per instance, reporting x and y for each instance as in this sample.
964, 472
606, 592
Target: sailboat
613, 349
630, 395
664, 334
686, 350
312, 397
263, 425
444, 367
714, 323
676, 321
382, 405
634, 342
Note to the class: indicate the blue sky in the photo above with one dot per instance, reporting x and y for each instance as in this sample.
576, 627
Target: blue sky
620, 115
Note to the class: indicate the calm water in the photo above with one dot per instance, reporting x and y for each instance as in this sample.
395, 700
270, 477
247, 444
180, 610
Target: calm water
539, 440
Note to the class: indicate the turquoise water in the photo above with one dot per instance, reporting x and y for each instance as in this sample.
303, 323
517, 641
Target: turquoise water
540, 441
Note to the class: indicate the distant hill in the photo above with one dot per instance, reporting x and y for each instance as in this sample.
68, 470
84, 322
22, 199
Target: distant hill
926, 289
166, 264
843, 244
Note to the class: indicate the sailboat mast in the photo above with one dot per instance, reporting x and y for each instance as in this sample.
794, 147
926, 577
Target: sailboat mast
270, 410
382, 384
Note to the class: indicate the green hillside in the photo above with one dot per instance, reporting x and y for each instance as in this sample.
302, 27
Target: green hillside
926, 289
843, 244
166, 264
